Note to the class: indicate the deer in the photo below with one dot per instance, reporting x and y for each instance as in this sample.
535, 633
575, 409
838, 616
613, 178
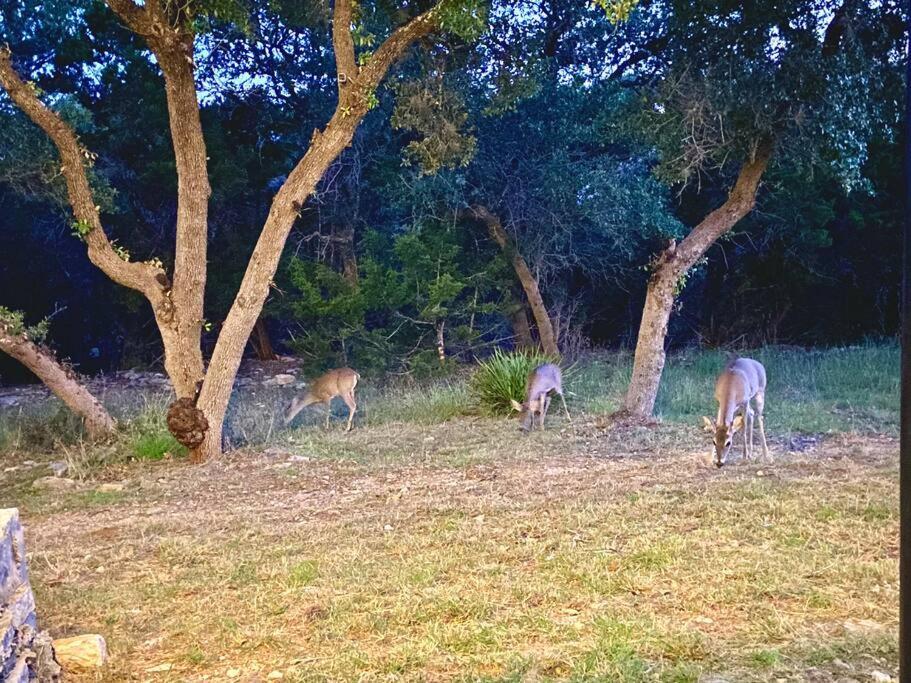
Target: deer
338, 382
742, 381
543, 380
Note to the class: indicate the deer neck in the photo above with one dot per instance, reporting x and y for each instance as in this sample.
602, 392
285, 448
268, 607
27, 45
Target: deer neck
730, 396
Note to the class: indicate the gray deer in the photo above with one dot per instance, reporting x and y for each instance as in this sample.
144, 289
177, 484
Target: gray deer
541, 381
742, 381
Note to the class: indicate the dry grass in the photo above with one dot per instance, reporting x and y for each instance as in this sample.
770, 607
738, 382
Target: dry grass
465, 551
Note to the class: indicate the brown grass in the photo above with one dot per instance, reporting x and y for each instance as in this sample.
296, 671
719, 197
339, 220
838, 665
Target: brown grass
466, 551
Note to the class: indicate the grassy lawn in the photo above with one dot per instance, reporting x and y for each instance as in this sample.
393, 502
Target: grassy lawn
432, 544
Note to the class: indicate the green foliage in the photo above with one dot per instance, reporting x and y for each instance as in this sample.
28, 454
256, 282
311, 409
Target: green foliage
425, 279
617, 10
502, 378
438, 116
466, 19
732, 76
81, 228
13, 324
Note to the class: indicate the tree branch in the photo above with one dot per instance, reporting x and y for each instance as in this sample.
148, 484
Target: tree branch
739, 203
143, 277
137, 18
343, 45
396, 44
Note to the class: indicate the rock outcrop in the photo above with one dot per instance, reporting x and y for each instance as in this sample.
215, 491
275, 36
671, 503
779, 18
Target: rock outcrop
26, 655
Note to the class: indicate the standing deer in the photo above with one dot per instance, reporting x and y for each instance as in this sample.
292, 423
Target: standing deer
339, 382
739, 383
541, 381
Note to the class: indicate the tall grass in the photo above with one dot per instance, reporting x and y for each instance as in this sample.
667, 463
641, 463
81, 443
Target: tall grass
852, 389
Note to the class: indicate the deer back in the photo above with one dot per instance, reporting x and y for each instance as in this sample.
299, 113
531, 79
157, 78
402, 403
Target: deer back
333, 383
739, 382
542, 380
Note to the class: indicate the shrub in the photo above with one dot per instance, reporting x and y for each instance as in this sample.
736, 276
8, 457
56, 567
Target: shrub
502, 378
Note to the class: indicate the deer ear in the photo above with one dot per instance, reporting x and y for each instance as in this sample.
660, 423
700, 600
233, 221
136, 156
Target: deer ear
708, 424
737, 424
515, 404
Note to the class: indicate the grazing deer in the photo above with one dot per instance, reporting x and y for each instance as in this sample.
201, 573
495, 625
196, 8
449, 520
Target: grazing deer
739, 383
541, 381
339, 382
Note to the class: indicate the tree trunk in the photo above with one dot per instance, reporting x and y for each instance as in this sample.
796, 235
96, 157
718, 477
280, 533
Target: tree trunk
441, 341
671, 267
262, 344
61, 381
521, 330
526, 279
344, 239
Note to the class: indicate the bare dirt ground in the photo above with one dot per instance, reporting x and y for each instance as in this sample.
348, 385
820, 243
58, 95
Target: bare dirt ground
465, 551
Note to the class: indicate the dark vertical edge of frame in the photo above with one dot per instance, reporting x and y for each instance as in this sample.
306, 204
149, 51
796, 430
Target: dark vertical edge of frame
904, 637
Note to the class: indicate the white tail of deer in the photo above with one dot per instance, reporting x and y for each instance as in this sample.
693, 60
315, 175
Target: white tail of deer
339, 382
541, 381
742, 381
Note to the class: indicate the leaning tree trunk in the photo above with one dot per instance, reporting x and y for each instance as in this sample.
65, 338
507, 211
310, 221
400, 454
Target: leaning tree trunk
526, 279
521, 330
671, 267
62, 382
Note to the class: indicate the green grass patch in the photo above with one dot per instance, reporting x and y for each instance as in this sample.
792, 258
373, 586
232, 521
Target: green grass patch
156, 446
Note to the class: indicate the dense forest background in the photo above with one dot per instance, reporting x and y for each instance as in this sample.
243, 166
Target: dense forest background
544, 121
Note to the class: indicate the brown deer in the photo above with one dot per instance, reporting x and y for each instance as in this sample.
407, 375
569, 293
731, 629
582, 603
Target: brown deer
541, 381
339, 382
743, 380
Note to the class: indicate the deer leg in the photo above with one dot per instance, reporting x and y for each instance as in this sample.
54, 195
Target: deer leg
752, 421
328, 412
352, 408
565, 409
746, 427
760, 406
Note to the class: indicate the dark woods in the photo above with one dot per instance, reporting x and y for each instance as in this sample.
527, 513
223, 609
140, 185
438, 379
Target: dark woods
592, 145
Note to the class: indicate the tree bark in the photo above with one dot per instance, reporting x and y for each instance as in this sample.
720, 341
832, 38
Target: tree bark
168, 32
441, 341
61, 381
526, 278
521, 330
672, 265
344, 239
262, 344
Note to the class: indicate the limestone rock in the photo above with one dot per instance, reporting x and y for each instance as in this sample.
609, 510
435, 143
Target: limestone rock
81, 653
26, 655
280, 380
52, 483
58, 468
